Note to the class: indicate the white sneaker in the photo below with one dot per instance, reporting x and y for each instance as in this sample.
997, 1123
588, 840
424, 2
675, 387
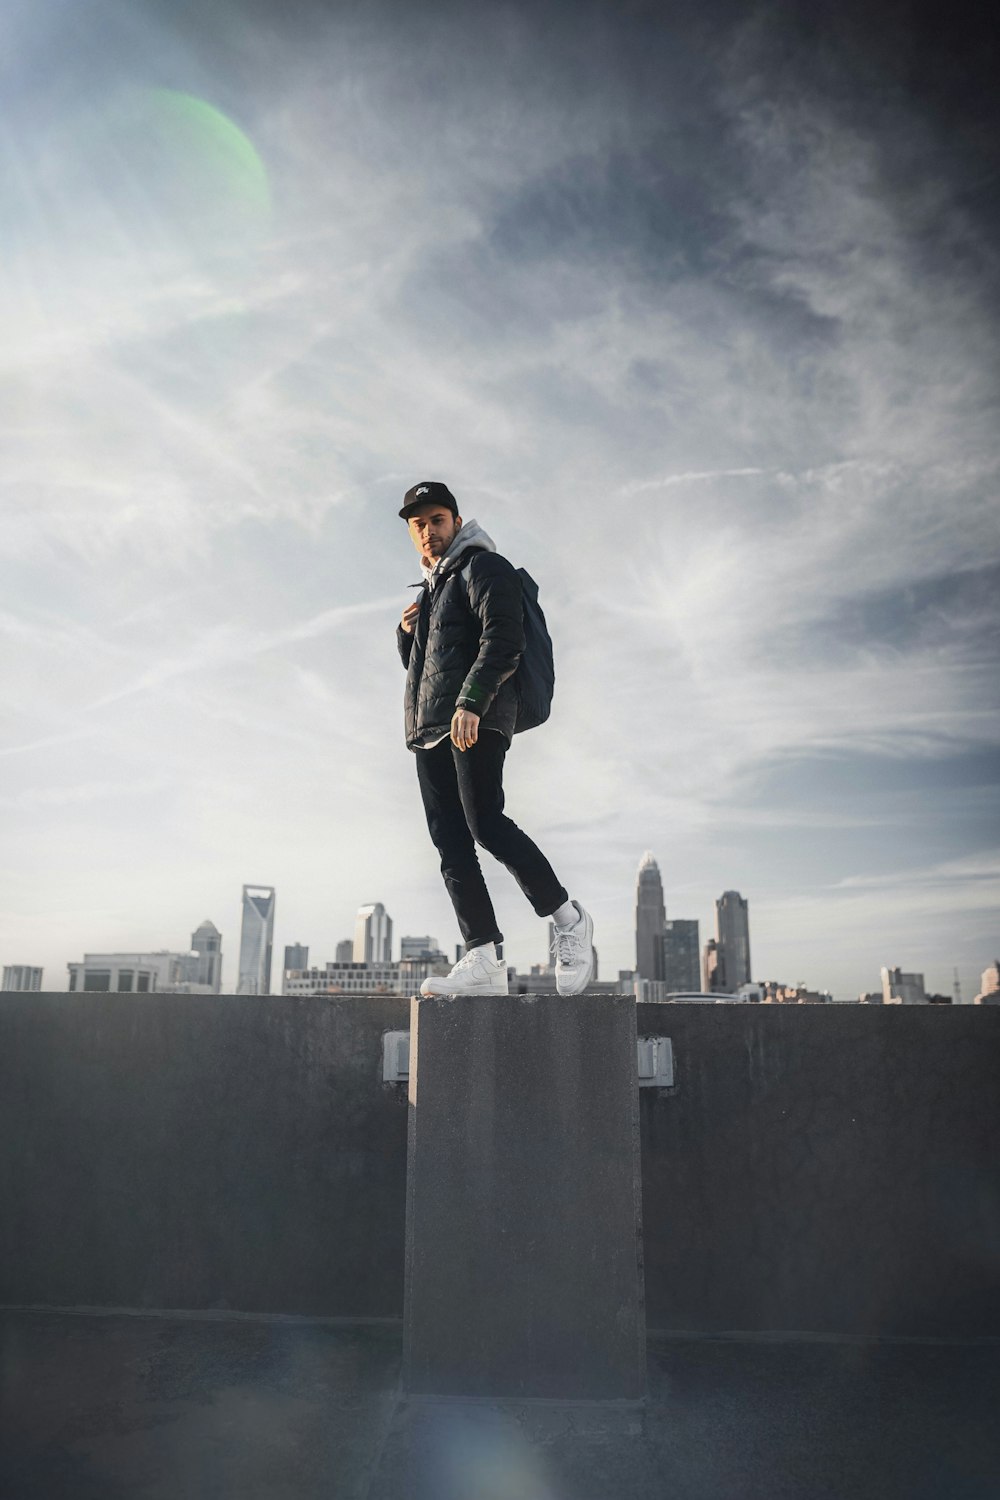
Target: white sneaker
478, 972
574, 951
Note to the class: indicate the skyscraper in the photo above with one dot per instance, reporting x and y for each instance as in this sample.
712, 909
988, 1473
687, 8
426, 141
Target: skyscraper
372, 935
296, 956
680, 956
650, 920
732, 928
256, 935
206, 942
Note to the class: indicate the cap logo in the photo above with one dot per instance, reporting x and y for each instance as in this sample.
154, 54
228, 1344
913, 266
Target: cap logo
423, 490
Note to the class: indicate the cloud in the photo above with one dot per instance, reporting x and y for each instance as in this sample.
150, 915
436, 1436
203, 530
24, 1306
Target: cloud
230, 644
668, 480
980, 870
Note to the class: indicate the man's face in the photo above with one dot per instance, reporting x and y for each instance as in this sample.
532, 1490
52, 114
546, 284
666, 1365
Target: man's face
433, 529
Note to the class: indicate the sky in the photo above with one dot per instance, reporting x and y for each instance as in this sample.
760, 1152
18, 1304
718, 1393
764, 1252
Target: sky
693, 307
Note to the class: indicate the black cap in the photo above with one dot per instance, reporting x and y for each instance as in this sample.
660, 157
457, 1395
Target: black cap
428, 492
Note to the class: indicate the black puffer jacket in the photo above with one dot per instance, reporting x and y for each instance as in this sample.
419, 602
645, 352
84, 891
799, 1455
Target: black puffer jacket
468, 640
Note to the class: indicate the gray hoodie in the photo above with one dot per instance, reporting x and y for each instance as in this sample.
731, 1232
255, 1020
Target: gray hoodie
470, 535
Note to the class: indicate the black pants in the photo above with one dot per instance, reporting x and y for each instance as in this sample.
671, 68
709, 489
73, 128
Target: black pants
463, 800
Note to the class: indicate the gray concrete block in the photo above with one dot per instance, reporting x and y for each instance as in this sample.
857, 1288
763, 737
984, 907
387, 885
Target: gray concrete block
824, 1169
523, 1227
201, 1151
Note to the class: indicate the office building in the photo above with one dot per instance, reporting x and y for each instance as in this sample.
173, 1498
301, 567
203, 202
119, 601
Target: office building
413, 971
417, 947
139, 973
712, 981
256, 938
21, 977
732, 931
401, 978
902, 989
680, 956
296, 956
206, 943
650, 919
649, 989
419, 957
372, 935
346, 979
344, 951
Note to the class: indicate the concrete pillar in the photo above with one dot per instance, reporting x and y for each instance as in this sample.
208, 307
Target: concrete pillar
523, 1227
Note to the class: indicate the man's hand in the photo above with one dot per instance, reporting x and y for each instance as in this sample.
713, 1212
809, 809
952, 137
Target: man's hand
464, 728
410, 616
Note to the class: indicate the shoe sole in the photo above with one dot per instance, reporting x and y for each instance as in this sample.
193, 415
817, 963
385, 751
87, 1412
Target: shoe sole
578, 988
430, 994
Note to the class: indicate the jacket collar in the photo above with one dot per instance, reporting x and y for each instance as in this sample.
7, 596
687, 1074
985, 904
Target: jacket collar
471, 535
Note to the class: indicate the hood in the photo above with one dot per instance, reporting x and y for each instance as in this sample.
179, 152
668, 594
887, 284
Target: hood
471, 535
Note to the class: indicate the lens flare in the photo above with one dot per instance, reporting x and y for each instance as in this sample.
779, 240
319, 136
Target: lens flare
209, 148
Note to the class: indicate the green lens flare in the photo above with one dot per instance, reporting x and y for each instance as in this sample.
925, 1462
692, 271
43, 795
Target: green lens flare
213, 148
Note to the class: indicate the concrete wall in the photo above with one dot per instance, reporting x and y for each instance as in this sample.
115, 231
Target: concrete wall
815, 1168
824, 1168
523, 1232
201, 1152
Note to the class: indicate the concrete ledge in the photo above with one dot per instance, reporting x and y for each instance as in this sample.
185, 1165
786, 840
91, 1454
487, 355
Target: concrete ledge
523, 1235
824, 1169
201, 1151
827, 1170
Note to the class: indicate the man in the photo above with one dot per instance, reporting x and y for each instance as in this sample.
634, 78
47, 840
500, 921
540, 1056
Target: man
460, 642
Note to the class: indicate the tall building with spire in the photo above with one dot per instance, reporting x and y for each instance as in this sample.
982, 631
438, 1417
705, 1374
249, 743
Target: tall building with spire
256, 938
650, 920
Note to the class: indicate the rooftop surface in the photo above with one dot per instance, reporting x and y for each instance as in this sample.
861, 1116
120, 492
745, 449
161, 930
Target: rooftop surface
158, 1406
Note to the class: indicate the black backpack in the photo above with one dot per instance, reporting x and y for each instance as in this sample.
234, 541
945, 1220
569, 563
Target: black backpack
535, 676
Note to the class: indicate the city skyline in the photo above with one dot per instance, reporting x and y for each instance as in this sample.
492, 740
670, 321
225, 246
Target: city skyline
373, 927
695, 312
